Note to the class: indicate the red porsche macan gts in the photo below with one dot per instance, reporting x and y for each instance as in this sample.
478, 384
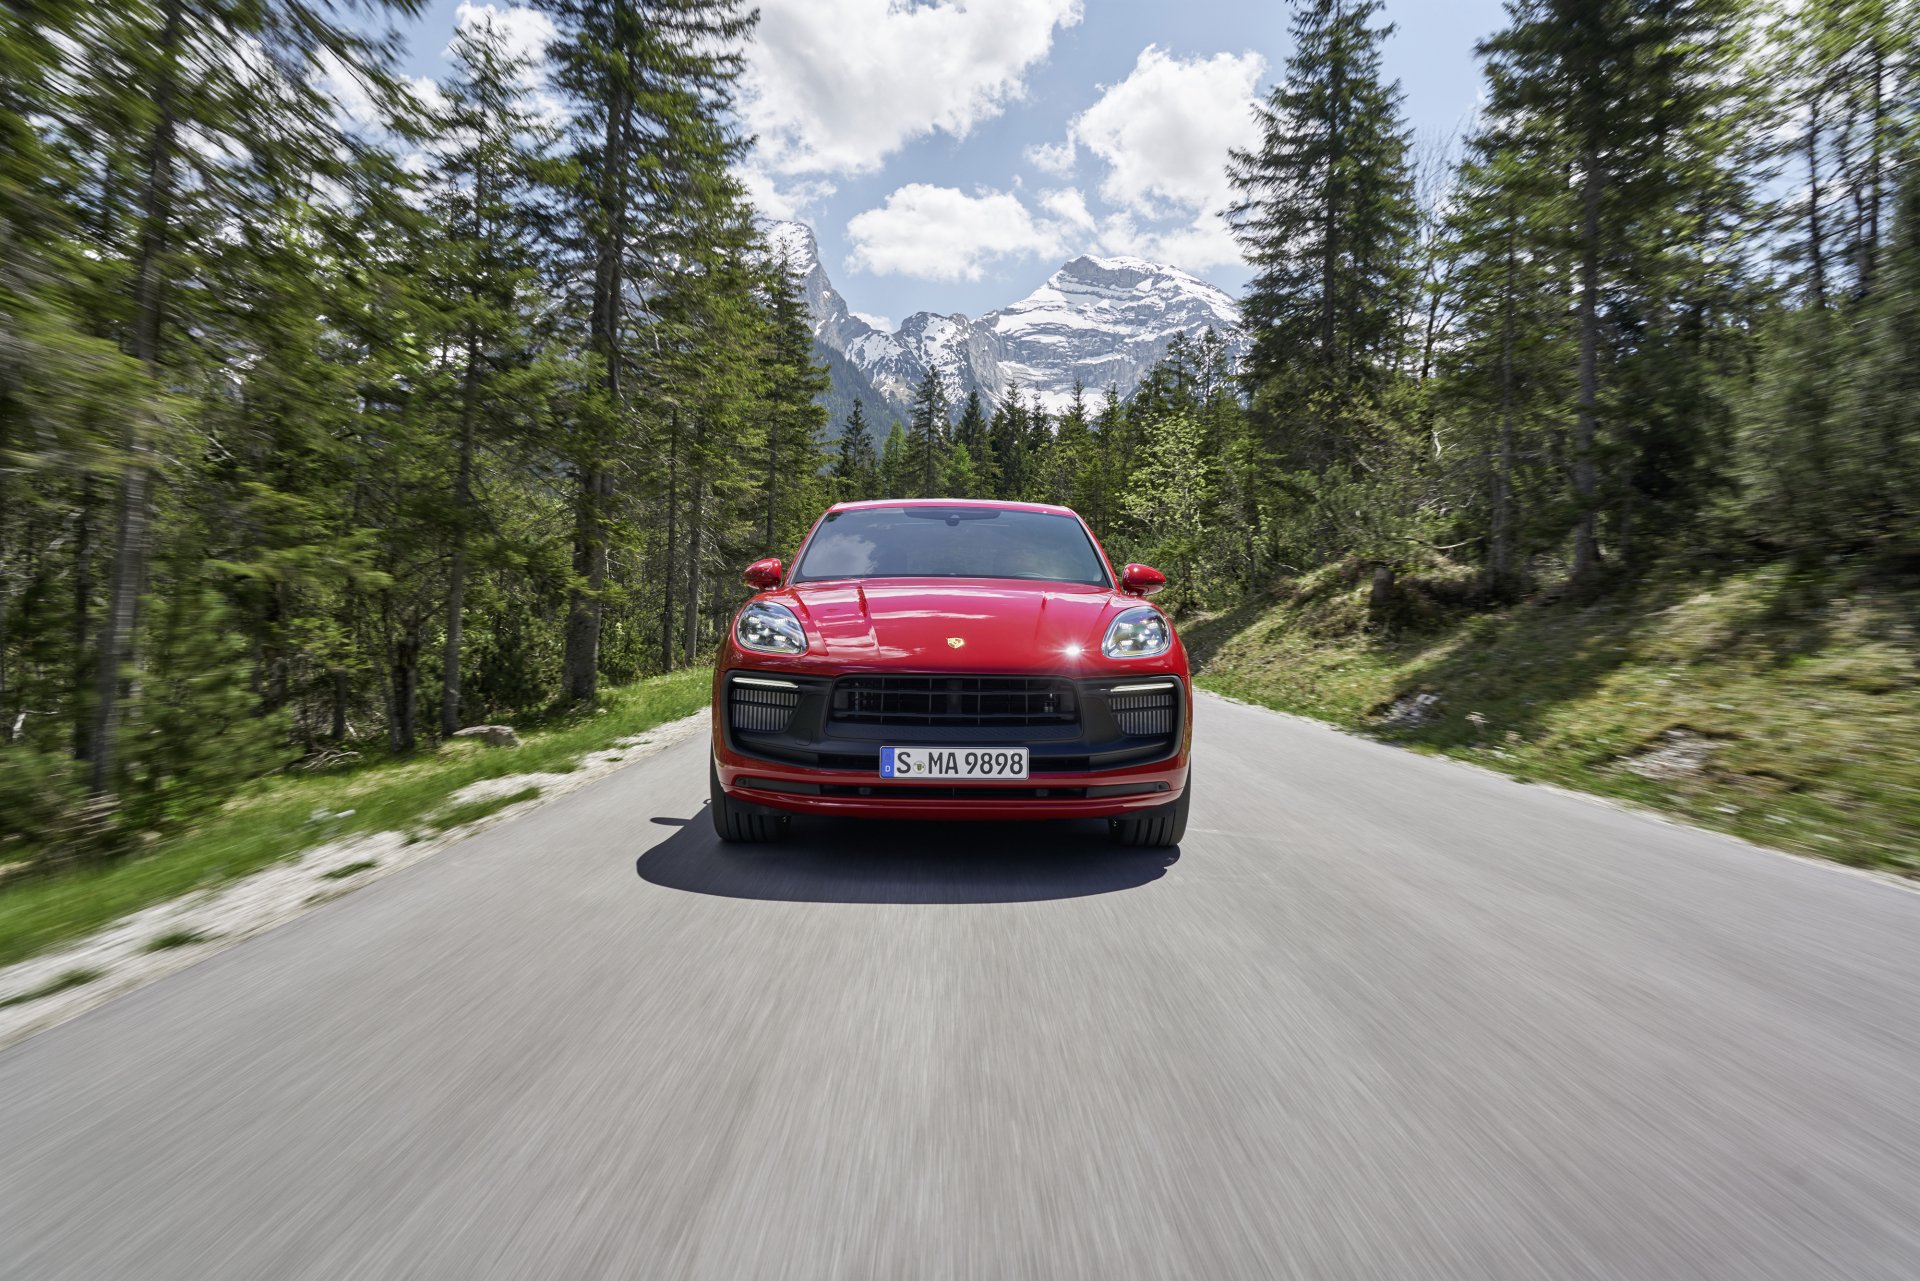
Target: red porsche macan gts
950, 659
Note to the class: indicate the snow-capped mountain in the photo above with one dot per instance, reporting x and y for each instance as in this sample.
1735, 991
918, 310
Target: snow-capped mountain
1103, 321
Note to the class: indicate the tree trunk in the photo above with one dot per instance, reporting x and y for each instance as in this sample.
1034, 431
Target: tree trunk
773, 484
406, 691
1871, 257
341, 693
457, 564
1500, 546
82, 616
1586, 543
1816, 248
1334, 214
1380, 597
673, 540
580, 667
6, 577
117, 649
694, 503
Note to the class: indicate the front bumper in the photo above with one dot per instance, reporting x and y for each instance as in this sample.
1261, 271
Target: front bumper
816, 765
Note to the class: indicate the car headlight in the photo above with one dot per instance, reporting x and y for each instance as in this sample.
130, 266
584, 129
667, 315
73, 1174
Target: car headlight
770, 629
1140, 632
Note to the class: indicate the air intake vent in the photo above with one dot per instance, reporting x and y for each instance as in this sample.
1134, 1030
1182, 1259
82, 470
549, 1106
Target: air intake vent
1144, 714
1000, 702
760, 709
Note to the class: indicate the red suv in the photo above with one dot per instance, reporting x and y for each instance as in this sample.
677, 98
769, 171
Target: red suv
949, 659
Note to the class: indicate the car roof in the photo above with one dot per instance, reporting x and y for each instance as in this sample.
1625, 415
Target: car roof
1002, 504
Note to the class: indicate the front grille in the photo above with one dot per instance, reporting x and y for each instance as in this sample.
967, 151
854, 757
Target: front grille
1148, 714
760, 709
981, 702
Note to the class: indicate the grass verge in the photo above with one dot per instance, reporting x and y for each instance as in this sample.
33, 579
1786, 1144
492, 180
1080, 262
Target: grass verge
176, 938
278, 817
351, 869
72, 978
473, 811
1779, 708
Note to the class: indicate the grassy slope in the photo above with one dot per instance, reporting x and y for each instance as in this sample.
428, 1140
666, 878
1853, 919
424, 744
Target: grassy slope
1808, 692
276, 817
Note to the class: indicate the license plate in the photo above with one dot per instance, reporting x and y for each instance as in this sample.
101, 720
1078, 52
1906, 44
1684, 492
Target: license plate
953, 762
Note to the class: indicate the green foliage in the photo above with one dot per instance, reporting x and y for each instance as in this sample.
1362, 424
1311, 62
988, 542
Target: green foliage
474, 432
473, 811
1325, 214
1796, 693
176, 939
202, 728
856, 467
929, 437
281, 816
54, 986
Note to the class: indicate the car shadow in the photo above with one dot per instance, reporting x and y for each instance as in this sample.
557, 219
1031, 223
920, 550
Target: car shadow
835, 861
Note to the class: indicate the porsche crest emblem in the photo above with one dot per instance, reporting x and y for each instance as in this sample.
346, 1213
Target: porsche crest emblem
956, 642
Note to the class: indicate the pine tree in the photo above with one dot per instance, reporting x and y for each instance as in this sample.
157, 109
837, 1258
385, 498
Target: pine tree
899, 473
1883, 401
650, 85
973, 432
488, 182
1007, 435
927, 434
1107, 465
1167, 498
1636, 104
1325, 215
960, 479
1503, 381
261, 138
1069, 453
794, 418
856, 466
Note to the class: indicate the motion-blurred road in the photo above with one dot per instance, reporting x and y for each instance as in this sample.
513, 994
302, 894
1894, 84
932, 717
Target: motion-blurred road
1382, 1017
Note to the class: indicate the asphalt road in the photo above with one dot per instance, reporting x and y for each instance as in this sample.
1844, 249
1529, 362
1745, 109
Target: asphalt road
1381, 1017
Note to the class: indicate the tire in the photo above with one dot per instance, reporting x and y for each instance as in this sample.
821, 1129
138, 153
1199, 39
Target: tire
1159, 828
738, 824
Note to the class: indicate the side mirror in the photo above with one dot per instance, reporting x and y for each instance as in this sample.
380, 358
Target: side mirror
1141, 580
763, 574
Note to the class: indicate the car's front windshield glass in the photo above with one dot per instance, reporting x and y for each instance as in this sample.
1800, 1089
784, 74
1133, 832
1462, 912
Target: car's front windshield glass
951, 542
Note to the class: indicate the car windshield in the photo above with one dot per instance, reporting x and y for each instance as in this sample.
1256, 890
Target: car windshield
951, 542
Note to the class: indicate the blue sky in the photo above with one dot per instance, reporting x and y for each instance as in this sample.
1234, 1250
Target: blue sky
950, 155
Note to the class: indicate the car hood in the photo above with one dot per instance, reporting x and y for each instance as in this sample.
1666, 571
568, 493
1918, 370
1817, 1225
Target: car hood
955, 625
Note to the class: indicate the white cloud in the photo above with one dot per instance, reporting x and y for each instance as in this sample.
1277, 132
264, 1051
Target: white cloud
773, 198
1069, 206
1204, 242
883, 323
352, 98
1163, 134
1056, 158
524, 33
835, 86
426, 91
940, 233
1164, 131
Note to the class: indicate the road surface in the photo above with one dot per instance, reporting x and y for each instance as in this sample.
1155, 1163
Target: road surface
1381, 1017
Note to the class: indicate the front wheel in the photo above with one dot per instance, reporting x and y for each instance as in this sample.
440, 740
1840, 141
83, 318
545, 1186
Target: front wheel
737, 824
1157, 828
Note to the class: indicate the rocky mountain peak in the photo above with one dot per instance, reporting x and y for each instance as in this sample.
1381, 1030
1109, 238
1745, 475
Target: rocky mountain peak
1101, 321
